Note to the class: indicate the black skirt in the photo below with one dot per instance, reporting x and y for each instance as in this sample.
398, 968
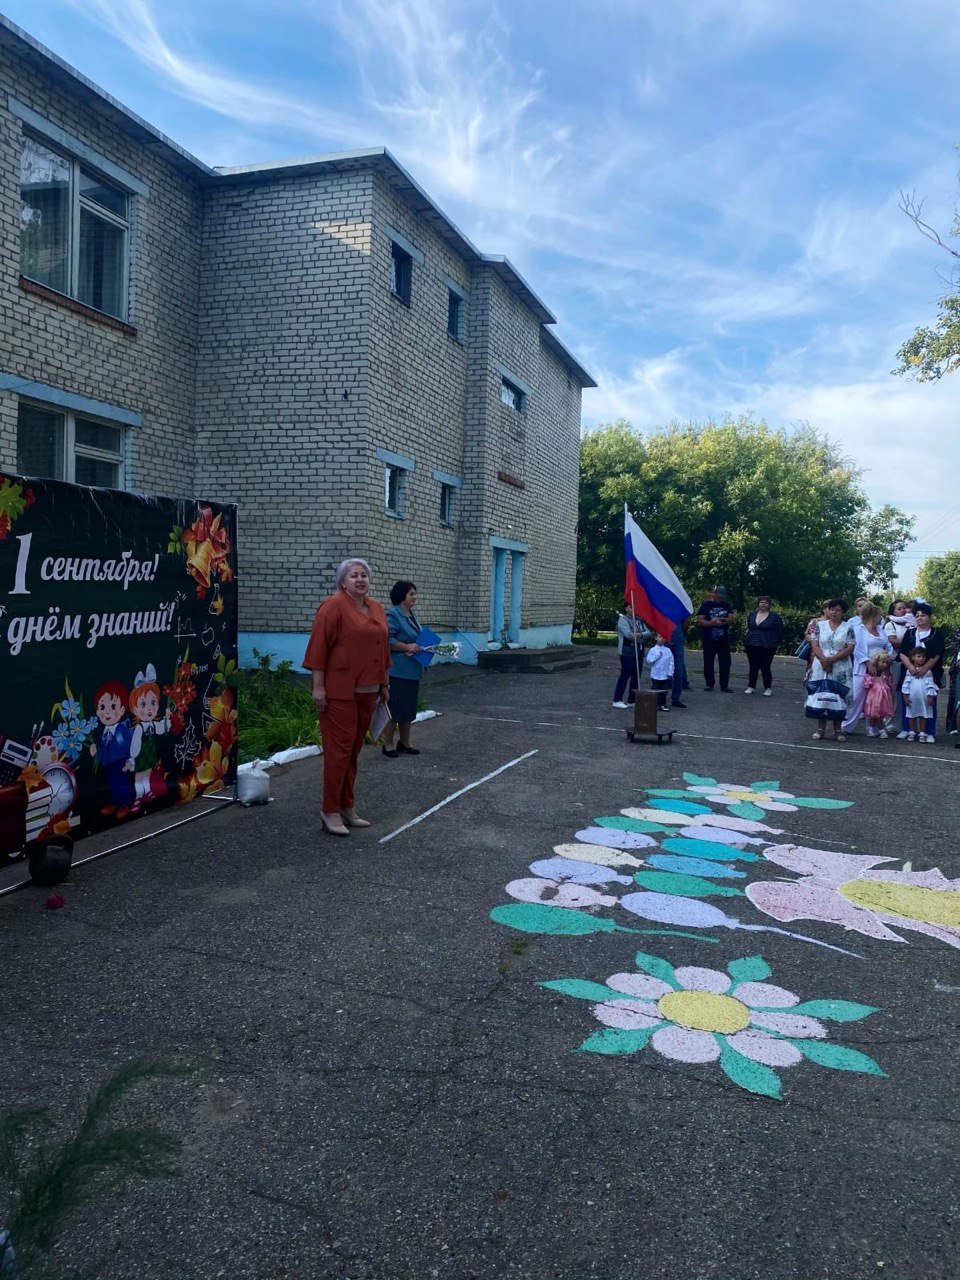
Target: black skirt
404, 695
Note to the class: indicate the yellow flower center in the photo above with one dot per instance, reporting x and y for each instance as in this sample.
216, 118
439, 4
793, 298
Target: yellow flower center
911, 901
704, 1011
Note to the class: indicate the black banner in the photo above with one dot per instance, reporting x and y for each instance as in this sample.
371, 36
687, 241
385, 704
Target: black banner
118, 656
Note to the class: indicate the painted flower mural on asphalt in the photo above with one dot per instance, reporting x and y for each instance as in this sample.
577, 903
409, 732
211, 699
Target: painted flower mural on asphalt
692, 1014
845, 889
746, 800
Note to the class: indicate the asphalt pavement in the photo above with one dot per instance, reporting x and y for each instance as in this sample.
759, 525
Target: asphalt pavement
379, 1089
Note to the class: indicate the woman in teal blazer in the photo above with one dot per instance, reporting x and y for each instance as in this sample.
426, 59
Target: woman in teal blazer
405, 672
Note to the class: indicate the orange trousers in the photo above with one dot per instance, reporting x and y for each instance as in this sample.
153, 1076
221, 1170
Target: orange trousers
343, 725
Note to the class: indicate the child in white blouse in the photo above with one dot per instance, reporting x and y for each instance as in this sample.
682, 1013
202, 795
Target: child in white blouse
660, 658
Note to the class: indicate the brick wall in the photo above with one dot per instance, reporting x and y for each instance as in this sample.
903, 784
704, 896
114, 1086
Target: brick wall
152, 371
283, 377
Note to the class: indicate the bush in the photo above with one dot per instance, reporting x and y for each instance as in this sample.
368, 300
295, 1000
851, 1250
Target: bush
276, 710
595, 609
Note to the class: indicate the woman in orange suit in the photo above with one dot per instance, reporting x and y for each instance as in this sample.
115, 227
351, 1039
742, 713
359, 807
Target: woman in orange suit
349, 654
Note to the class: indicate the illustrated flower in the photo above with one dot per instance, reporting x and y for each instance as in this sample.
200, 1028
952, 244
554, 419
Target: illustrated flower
187, 788
213, 767
206, 545
14, 500
748, 800
696, 1015
181, 694
70, 709
844, 888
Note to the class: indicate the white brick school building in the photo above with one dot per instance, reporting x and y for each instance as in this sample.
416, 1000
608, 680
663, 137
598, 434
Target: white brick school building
314, 340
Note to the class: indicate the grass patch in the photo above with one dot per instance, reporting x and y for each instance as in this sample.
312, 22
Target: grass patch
606, 638
276, 710
43, 1179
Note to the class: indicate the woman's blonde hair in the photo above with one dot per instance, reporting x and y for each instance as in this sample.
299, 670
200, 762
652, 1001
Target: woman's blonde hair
870, 613
343, 568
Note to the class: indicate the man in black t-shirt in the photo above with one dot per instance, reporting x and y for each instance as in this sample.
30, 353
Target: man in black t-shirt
713, 618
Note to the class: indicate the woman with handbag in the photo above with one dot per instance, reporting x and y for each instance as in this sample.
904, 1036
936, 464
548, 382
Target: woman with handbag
828, 686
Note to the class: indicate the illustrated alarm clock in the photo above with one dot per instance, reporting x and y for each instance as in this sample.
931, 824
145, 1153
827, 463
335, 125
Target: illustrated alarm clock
60, 779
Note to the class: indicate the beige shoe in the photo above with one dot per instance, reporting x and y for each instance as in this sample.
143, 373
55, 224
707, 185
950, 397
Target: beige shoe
333, 828
350, 818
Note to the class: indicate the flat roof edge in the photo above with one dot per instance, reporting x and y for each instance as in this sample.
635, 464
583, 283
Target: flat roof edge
106, 98
566, 357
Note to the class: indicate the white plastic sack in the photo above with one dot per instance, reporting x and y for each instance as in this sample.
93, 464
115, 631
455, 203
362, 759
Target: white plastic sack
253, 785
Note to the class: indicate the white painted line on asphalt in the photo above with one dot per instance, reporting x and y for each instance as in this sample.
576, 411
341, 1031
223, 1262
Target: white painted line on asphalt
463, 790
908, 757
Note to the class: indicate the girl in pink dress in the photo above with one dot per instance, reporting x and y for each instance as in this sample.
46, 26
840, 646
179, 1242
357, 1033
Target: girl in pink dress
878, 686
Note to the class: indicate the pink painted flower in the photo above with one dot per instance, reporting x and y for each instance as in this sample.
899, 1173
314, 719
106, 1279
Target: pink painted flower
845, 889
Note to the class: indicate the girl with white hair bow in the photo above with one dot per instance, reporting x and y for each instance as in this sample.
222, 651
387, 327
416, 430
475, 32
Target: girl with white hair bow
144, 703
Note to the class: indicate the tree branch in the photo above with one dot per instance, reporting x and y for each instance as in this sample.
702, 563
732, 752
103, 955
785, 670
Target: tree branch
913, 208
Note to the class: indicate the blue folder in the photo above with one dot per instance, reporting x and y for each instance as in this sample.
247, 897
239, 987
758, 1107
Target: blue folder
425, 639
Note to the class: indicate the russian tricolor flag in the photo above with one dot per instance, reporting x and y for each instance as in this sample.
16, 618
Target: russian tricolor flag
652, 586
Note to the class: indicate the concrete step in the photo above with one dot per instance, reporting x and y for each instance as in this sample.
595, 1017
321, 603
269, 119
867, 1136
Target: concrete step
567, 657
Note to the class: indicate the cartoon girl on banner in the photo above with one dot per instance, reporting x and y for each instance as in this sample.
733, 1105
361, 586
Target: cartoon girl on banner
144, 703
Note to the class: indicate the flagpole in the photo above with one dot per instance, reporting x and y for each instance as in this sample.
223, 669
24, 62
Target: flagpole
636, 646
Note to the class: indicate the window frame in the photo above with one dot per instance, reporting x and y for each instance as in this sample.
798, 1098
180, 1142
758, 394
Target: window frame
397, 511
455, 308
518, 403
69, 450
401, 273
449, 494
77, 202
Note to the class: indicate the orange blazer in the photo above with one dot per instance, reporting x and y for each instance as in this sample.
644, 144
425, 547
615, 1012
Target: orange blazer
350, 648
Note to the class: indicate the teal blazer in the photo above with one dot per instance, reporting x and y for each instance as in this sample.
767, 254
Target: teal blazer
405, 630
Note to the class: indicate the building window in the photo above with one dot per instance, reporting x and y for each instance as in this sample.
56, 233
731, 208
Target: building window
455, 315
512, 396
448, 505
74, 229
401, 272
69, 446
395, 488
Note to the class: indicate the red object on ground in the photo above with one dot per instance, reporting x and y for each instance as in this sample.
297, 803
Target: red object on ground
55, 902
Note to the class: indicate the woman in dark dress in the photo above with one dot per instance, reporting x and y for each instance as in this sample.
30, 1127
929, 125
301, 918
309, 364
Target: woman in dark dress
953, 710
760, 643
405, 673
930, 639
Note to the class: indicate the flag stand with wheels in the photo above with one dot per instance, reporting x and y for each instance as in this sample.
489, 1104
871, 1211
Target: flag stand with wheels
645, 727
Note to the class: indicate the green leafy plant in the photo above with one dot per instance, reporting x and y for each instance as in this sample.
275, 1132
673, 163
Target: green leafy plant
43, 1179
276, 709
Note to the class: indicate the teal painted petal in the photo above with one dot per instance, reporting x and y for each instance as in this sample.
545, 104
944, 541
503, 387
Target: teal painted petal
618, 823
540, 917
616, 1040
696, 781
656, 967
750, 1075
746, 809
595, 992
686, 886
820, 802
682, 806
709, 849
750, 969
765, 786
838, 1056
671, 793
835, 1010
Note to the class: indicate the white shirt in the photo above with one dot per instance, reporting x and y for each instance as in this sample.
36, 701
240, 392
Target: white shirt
660, 659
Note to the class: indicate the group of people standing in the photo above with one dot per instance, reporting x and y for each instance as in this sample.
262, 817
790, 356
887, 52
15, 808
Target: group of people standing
884, 668
712, 619
359, 655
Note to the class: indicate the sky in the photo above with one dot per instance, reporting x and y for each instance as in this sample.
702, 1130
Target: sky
705, 193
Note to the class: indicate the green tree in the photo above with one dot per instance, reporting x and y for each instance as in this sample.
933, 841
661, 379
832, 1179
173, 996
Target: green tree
737, 503
938, 580
932, 352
